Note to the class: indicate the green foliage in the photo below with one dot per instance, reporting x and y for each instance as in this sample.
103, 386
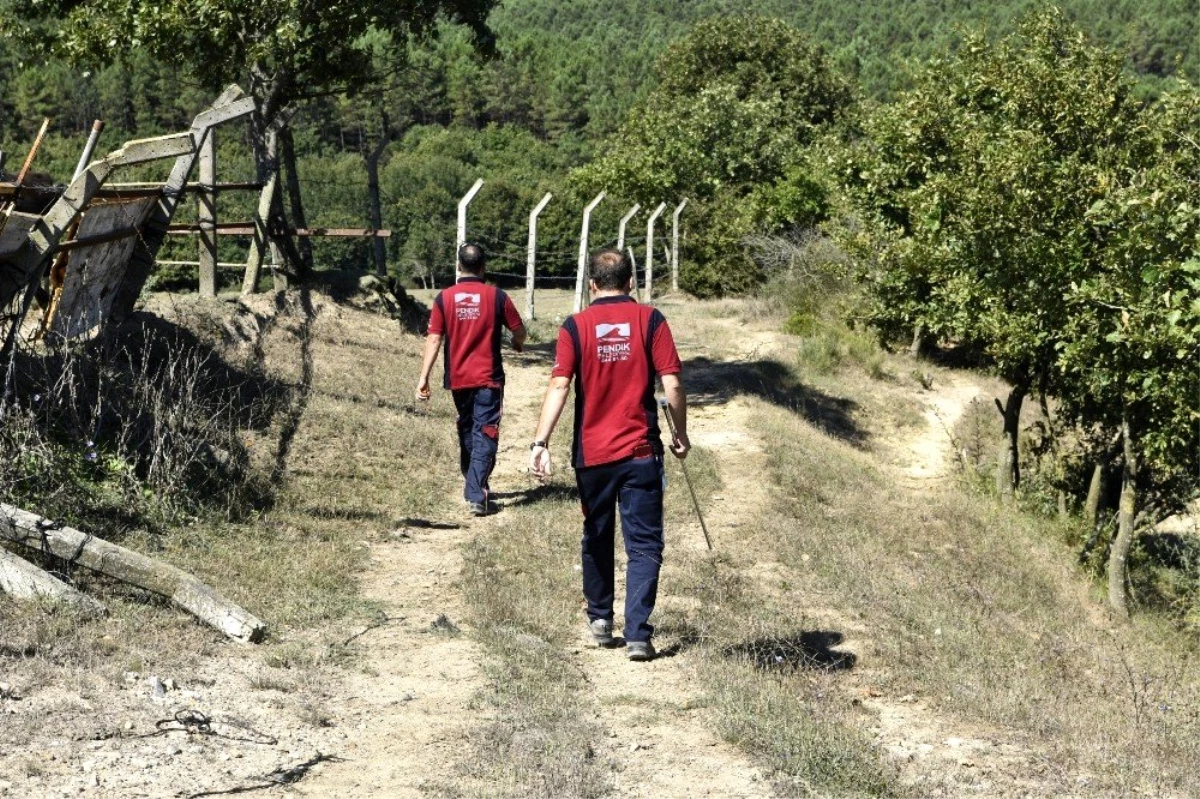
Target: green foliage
317, 46
738, 101
982, 171
1135, 319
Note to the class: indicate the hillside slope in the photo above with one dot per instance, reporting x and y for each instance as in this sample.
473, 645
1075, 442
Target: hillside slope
868, 624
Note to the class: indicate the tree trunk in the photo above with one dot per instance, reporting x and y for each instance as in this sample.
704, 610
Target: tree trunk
33, 531
287, 152
1008, 462
1091, 506
1126, 517
917, 348
378, 245
265, 125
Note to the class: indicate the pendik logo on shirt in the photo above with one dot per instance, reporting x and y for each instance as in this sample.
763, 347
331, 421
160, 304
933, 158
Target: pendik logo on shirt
612, 342
466, 305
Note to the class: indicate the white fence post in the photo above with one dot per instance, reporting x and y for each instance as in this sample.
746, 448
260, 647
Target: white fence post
675, 245
637, 290
531, 258
462, 214
650, 250
621, 228
583, 252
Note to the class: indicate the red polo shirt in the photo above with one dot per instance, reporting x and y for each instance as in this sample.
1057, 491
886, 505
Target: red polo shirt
470, 315
614, 349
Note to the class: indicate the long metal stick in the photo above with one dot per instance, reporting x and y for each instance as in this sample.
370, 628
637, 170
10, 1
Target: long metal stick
662, 403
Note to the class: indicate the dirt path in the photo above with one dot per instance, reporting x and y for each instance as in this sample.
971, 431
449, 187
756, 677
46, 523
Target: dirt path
664, 740
405, 711
411, 704
937, 754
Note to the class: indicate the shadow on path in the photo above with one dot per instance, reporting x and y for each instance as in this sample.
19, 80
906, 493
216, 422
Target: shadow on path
811, 649
712, 382
548, 492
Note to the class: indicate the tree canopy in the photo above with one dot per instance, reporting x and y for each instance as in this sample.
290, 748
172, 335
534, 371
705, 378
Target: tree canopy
737, 102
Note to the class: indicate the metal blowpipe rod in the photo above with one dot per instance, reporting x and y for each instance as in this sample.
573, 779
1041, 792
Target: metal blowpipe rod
662, 403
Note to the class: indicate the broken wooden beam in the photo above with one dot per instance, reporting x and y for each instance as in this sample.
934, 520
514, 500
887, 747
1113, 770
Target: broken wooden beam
83, 549
21, 579
99, 238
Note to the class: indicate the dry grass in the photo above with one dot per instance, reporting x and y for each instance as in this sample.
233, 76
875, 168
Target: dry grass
520, 584
294, 562
980, 611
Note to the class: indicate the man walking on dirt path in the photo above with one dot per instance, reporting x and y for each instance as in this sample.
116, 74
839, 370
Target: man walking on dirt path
466, 321
613, 350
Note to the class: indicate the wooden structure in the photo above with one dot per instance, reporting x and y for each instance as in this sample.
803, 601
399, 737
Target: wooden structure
21, 579
100, 237
86, 251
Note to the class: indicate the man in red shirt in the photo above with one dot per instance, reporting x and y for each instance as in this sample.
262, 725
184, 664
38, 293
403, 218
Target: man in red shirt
613, 350
466, 322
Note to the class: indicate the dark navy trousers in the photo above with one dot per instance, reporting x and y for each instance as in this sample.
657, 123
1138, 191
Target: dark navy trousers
478, 437
635, 486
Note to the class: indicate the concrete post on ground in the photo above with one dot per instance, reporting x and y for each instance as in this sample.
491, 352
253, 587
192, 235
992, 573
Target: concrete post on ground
531, 257
581, 274
675, 244
462, 214
621, 228
207, 215
650, 250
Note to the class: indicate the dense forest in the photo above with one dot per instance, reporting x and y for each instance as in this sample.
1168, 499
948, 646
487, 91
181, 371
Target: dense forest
563, 78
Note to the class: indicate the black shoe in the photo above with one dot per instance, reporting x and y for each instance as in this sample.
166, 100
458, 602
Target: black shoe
601, 630
482, 508
639, 650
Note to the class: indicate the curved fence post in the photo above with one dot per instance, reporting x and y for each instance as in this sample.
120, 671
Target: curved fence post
462, 214
650, 250
675, 245
531, 258
621, 228
580, 278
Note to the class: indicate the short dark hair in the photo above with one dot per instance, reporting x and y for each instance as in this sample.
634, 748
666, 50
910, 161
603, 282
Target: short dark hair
472, 258
610, 270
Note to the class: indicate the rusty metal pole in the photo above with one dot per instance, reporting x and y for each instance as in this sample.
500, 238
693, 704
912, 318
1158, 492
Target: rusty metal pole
89, 147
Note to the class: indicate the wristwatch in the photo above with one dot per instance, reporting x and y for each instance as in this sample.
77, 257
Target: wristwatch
537, 444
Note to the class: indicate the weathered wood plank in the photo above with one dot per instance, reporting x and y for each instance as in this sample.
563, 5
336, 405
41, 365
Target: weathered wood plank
31, 530
207, 216
21, 579
230, 105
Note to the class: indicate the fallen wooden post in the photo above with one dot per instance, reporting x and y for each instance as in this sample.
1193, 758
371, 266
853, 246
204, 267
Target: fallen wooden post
31, 530
23, 580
